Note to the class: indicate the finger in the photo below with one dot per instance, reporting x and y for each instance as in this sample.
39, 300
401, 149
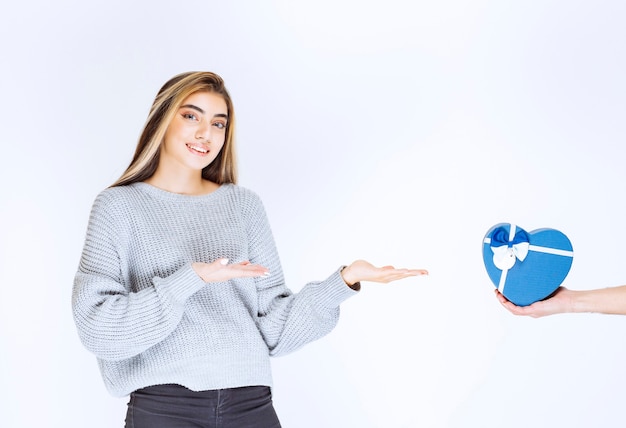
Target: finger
252, 274
499, 295
238, 272
395, 277
251, 268
405, 273
515, 310
412, 271
242, 263
519, 310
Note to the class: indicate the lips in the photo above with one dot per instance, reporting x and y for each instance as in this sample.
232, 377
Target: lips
198, 149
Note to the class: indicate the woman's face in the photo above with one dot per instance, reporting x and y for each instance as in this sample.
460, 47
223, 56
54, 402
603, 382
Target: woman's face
197, 132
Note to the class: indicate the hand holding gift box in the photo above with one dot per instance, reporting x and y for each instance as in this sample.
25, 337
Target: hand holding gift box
526, 266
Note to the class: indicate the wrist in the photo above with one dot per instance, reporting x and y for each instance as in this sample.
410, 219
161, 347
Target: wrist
197, 268
347, 276
580, 301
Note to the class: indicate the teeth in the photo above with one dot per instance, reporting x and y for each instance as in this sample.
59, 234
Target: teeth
198, 149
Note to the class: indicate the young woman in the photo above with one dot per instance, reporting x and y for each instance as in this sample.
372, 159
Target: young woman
179, 291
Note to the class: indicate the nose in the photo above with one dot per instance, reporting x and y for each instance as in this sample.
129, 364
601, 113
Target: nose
203, 132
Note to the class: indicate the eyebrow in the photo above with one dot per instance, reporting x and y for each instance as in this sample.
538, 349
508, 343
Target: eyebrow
198, 109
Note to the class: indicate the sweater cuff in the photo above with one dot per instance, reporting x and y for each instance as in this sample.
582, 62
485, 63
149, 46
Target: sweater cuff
179, 286
333, 291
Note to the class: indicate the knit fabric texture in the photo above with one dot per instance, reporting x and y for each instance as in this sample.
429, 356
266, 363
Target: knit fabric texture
150, 319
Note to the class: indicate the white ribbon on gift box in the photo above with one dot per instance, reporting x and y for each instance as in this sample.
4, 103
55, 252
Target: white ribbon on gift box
504, 257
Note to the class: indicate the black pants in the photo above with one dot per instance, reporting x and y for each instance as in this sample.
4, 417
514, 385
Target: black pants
174, 406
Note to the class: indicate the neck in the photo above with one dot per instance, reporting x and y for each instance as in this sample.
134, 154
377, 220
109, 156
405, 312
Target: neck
182, 182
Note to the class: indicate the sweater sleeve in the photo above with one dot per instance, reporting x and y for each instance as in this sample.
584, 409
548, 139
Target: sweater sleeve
288, 320
113, 321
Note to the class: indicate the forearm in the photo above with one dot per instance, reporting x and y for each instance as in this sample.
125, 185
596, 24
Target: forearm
115, 324
288, 321
604, 300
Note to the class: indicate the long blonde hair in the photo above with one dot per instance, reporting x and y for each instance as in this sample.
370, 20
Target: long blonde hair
167, 102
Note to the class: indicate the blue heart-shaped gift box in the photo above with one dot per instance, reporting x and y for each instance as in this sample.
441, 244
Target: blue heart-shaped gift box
526, 266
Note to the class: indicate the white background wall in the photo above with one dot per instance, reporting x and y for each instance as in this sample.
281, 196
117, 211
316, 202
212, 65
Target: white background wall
394, 131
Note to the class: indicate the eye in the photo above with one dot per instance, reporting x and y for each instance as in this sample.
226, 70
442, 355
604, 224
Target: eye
190, 116
220, 125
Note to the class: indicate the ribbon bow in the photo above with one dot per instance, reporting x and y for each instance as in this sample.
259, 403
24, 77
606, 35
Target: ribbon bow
509, 246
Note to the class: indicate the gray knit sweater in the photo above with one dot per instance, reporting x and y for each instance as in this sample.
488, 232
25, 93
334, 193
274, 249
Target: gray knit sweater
149, 318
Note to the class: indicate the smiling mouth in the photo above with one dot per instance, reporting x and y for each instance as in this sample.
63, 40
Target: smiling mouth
198, 149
